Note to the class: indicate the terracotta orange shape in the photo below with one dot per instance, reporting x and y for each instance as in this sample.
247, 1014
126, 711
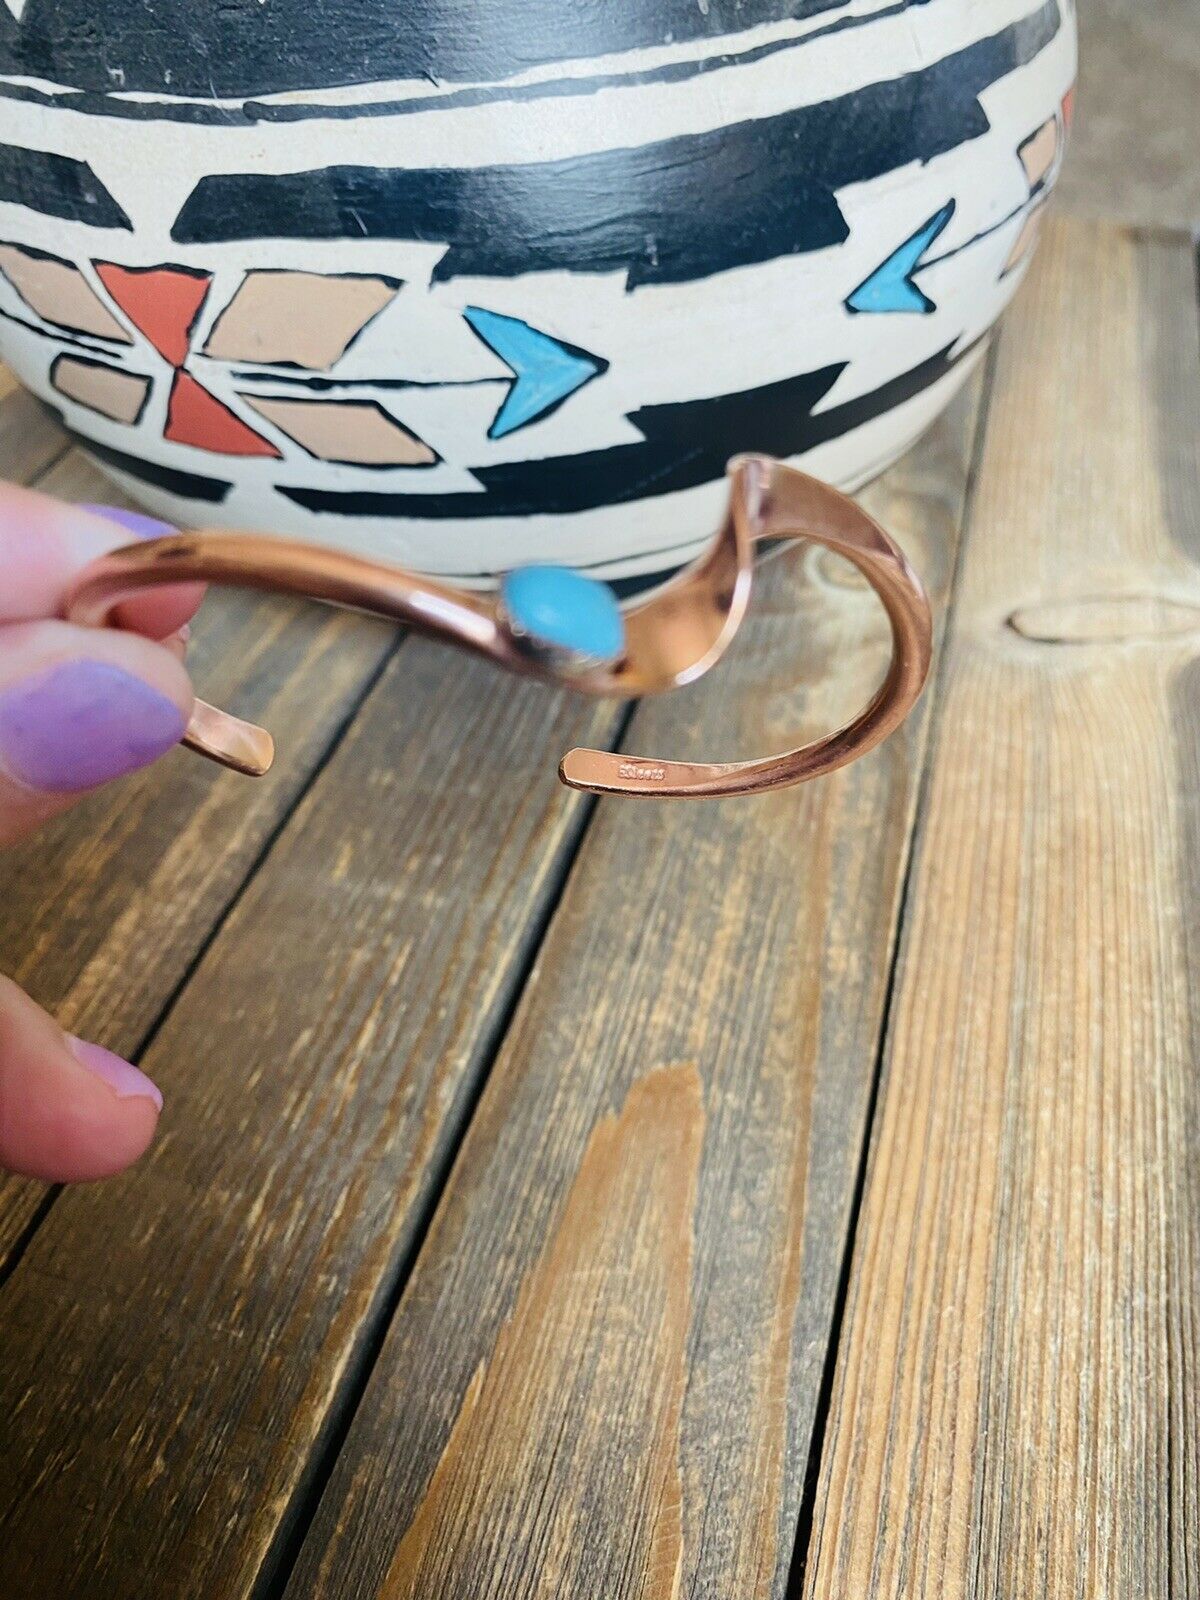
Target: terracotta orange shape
198, 418
161, 302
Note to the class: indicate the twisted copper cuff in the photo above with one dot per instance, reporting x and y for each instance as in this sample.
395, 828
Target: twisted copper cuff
670, 639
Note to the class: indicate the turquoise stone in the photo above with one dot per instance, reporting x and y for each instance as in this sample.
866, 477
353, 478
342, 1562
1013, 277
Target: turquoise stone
557, 609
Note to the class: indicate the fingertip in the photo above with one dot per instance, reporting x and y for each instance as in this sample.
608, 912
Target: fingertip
111, 1126
45, 544
125, 1080
80, 707
159, 612
70, 1111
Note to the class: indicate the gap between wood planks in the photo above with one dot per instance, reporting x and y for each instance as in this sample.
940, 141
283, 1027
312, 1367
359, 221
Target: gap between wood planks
11, 1259
1014, 1402
276, 1569
804, 1522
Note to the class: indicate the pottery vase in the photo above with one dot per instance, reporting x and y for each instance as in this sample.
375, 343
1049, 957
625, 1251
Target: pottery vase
470, 287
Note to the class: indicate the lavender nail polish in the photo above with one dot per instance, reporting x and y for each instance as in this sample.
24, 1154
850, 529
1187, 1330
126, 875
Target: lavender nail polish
127, 1082
82, 723
134, 522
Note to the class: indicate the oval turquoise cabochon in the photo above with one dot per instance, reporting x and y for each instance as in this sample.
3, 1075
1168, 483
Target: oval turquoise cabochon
475, 287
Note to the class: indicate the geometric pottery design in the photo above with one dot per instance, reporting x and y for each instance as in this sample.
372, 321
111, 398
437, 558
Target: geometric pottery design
287, 319
515, 293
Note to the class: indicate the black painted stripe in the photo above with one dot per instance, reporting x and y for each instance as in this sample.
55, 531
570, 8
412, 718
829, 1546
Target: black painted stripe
642, 583
96, 103
350, 386
673, 556
669, 212
241, 47
684, 445
187, 485
91, 342
57, 186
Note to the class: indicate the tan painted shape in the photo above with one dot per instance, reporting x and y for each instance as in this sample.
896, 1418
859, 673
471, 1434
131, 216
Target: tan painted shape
1025, 240
114, 394
355, 431
304, 318
59, 293
599, 1329
1039, 152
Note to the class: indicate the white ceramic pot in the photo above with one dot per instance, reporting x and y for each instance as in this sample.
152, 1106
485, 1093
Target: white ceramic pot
470, 291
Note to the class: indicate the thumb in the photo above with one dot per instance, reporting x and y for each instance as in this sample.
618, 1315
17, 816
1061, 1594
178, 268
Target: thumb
69, 1111
79, 707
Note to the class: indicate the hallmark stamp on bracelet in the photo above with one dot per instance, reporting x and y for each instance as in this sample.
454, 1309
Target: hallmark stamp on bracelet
631, 769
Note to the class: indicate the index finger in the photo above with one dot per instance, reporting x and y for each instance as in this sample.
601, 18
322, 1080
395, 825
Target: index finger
45, 544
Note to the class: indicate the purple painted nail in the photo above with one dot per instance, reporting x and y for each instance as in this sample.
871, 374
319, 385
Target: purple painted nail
81, 723
135, 522
120, 1075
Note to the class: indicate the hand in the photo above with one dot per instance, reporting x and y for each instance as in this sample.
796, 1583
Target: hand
78, 707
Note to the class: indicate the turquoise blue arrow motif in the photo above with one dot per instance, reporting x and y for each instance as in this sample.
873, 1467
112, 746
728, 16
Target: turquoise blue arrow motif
545, 371
890, 287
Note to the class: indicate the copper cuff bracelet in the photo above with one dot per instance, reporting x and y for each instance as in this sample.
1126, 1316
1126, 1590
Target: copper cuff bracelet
670, 639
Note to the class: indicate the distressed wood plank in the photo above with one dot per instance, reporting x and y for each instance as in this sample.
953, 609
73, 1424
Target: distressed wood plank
103, 911
316, 1069
31, 439
1133, 152
1015, 1408
601, 1378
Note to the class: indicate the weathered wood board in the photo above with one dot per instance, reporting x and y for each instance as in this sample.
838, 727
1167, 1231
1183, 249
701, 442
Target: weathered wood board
601, 1378
1017, 1403
316, 1067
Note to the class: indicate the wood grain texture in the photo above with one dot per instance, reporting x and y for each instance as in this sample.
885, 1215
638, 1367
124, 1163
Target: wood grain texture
31, 440
627, 1220
177, 1342
1133, 152
103, 911
601, 1378
1016, 1409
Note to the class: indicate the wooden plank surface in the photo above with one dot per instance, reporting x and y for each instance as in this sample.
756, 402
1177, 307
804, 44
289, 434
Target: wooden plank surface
178, 1343
1133, 153
1017, 1404
103, 912
603, 1375
30, 438
601, 1378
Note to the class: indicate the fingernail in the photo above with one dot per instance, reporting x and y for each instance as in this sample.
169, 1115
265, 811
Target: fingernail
135, 522
127, 1082
82, 723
